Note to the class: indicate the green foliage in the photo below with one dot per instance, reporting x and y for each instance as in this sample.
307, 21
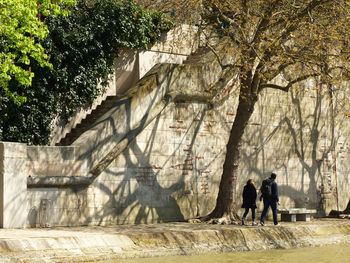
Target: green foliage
20, 29
82, 49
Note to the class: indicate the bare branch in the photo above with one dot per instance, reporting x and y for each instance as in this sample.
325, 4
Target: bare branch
216, 55
290, 84
230, 21
274, 86
306, 11
223, 67
264, 22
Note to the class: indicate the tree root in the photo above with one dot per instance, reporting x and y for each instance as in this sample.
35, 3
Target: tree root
231, 219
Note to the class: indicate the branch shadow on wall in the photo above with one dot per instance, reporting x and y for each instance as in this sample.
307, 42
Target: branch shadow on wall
304, 131
137, 196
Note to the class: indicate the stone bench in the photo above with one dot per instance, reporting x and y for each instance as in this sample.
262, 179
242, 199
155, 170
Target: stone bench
296, 214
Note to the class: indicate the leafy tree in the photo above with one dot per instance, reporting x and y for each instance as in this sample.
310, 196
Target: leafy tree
260, 40
21, 27
82, 49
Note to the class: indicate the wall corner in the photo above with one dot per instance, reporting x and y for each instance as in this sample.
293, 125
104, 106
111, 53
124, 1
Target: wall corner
13, 184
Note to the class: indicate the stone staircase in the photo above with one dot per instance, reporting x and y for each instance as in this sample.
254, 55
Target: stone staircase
90, 119
200, 56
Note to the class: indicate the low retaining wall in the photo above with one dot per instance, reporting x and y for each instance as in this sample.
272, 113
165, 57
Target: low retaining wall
83, 244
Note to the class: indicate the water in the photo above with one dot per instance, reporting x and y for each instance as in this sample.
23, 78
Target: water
328, 254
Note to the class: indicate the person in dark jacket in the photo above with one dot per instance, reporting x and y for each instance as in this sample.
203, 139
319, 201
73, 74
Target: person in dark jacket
271, 200
249, 200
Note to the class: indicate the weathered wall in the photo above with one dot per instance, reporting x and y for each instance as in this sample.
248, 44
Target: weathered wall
173, 47
133, 168
172, 169
13, 185
291, 135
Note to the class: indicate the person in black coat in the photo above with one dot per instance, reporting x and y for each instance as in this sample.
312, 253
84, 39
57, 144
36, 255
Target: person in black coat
271, 201
249, 200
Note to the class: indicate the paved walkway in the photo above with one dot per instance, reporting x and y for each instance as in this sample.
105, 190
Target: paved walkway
81, 244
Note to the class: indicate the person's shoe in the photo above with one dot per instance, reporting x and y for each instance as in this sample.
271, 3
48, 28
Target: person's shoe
277, 224
243, 222
262, 223
254, 224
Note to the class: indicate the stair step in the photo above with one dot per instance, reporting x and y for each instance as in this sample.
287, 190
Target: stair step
198, 57
88, 121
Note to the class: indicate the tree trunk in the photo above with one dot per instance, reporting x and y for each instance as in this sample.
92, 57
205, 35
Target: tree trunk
224, 202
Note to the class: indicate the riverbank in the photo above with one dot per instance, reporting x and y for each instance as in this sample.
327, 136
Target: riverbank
83, 244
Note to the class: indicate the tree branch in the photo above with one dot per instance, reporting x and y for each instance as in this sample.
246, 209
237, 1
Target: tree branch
264, 22
290, 84
291, 27
232, 22
219, 59
305, 12
274, 86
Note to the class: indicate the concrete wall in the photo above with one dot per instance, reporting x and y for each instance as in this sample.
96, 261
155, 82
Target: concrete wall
289, 134
173, 47
144, 163
13, 184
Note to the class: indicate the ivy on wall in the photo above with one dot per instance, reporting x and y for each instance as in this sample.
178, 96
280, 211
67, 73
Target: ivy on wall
82, 49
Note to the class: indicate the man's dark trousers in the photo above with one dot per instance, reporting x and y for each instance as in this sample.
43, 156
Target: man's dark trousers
267, 203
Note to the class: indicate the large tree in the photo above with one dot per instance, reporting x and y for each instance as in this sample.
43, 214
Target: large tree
261, 40
21, 26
